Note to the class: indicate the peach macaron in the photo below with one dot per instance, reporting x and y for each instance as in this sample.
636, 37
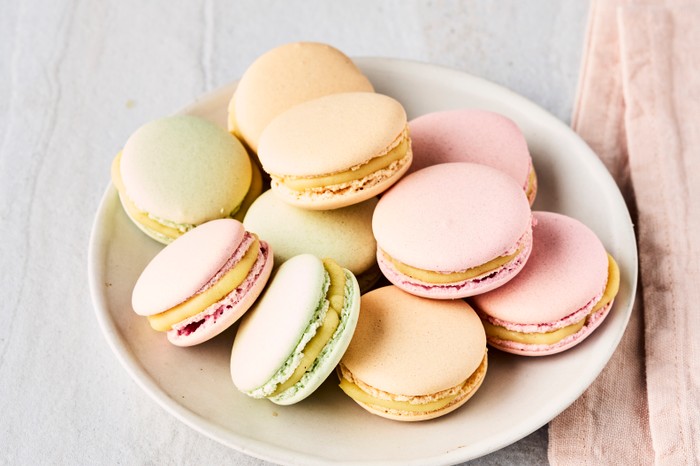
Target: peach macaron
284, 77
561, 296
477, 136
336, 150
412, 358
452, 230
203, 282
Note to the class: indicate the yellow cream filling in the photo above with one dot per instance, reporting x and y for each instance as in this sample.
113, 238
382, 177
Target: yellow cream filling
336, 297
164, 321
546, 338
358, 394
143, 218
430, 276
375, 164
134, 212
531, 183
253, 193
549, 338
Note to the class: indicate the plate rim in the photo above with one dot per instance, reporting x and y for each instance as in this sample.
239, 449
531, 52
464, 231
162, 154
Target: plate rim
274, 453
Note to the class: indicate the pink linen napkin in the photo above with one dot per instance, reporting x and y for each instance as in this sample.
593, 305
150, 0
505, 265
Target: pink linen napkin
639, 109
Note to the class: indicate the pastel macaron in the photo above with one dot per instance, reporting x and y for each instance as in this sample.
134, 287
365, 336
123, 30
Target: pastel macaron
203, 282
284, 77
561, 296
344, 234
177, 172
453, 230
476, 136
294, 336
336, 150
412, 358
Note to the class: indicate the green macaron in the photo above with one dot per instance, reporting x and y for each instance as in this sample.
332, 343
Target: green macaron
344, 234
295, 334
177, 172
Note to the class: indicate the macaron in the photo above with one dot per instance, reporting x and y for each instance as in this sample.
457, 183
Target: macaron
336, 150
284, 77
412, 358
294, 336
477, 136
452, 230
562, 295
204, 281
344, 235
177, 172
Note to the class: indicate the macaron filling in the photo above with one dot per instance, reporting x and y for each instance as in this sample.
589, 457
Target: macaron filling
231, 276
415, 277
396, 156
228, 303
531, 185
554, 332
158, 227
255, 190
315, 346
410, 405
430, 276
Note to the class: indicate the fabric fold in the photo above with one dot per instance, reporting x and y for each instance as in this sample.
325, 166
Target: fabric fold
638, 107
661, 76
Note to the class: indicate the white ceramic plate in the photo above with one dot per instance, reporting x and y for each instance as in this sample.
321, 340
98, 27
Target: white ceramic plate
519, 394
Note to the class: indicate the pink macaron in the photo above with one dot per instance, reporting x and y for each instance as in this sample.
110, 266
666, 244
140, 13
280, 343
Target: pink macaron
452, 230
203, 282
476, 136
565, 291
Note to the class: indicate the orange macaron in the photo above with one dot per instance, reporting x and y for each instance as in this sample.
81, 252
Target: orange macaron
336, 150
413, 358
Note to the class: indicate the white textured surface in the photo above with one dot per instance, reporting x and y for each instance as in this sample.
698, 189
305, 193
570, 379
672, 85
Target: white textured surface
76, 78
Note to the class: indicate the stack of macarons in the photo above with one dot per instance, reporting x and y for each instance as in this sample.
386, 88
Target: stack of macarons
340, 236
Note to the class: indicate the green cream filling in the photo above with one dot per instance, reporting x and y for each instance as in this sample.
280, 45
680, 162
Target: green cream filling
290, 365
297, 370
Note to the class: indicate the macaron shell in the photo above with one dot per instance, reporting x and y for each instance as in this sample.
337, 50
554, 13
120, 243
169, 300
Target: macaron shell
258, 278
334, 353
183, 267
286, 76
470, 135
451, 217
185, 170
344, 235
277, 321
407, 345
567, 268
331, 134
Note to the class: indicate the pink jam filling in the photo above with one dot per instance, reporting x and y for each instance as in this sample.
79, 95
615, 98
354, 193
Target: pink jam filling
210, 315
